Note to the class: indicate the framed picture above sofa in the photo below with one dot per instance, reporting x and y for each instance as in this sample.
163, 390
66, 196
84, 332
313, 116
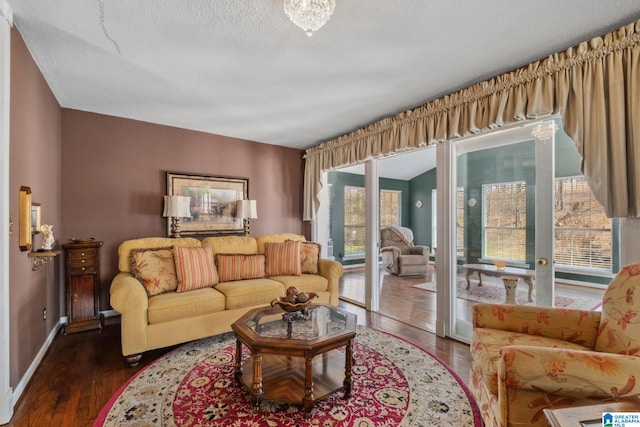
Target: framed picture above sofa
213, 203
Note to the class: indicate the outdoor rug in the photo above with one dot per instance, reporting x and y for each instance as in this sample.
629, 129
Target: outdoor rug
395, 383
492, 291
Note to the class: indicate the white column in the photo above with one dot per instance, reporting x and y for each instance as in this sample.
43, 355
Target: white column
446, 254
6, 400
372, 233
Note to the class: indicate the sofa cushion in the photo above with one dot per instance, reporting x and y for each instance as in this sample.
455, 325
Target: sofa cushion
174, 306
247, 293
282, 259
310, 257
155, 269
232, 245
276, 238
239, 266
195, 268
486, 344
304, 283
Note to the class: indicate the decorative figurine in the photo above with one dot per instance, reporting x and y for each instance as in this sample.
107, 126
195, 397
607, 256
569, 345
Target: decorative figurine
48, 240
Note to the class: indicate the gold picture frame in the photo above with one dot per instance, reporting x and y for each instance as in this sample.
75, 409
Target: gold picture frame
213, 203
25, 219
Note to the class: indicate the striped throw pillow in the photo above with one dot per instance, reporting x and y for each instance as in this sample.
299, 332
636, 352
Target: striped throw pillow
240, 266
194, 267
282, 259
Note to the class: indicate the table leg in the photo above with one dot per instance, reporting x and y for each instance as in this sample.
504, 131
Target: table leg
348, 367
256, 387
238, 364
466, 276
479, 279
529, 282
307, 401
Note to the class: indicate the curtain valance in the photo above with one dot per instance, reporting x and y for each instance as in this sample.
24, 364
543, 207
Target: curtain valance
594, 86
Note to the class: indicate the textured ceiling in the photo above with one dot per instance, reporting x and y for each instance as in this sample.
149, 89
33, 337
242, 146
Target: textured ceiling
240, 68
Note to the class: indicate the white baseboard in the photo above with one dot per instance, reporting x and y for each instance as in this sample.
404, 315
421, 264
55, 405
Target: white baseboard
109, 313
36, 362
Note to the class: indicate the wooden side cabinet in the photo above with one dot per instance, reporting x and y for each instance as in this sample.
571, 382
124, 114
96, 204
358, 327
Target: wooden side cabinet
82, 268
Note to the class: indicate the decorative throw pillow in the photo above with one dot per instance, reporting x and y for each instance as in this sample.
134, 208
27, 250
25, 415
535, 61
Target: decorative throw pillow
155, 269
282, 259
240, 266
310, 257
195, 268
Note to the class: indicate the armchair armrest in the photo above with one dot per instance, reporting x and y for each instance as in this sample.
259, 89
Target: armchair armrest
332, 271
565, 372
129, 298
390, 255
576, 326
420, 250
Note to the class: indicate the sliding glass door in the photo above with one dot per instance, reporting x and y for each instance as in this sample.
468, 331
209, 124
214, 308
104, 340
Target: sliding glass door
502, 222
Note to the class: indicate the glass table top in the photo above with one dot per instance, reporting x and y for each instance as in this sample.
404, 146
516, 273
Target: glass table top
321, 321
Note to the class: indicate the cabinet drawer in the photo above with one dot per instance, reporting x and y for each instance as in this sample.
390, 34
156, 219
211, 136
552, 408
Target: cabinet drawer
84, 253
89, 269
81, 262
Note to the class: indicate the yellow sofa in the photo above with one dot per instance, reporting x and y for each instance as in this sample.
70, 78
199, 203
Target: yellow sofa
526, 359
169, 318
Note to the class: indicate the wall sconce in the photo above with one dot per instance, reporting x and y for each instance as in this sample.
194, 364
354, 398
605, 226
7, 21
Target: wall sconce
247, 210
176, 208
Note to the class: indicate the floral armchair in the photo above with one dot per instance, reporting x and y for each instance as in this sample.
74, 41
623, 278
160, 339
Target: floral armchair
399, 255
526, 359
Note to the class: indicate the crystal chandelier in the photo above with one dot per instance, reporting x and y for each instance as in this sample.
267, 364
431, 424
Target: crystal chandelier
544, 131
310, 15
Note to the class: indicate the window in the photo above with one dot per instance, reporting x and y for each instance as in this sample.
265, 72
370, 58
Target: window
354, 220
582, 230
505, 221
390, 202
354, 216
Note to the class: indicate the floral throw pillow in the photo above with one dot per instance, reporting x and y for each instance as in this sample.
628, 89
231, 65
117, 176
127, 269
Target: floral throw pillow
155, 269
310, 257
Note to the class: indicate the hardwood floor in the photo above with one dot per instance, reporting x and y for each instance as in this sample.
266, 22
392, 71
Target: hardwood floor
80, 372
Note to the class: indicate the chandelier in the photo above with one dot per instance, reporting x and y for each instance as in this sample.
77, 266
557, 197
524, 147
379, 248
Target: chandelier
544, 131
310, 15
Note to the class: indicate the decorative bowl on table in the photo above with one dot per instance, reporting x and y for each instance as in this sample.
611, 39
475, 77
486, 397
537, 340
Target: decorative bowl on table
500, 265
290, 307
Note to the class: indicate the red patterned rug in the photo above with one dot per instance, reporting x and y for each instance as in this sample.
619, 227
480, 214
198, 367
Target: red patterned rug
394, 384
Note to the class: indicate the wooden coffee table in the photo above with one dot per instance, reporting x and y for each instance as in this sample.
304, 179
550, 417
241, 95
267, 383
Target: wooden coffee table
283, 366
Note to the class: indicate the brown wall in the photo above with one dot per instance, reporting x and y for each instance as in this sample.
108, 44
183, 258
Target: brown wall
114, 179
104, 176
35, 160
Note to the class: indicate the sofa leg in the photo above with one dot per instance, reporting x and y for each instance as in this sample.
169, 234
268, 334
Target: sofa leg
133, 359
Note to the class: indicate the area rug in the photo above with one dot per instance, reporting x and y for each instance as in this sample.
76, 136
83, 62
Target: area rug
395, 383
492, 291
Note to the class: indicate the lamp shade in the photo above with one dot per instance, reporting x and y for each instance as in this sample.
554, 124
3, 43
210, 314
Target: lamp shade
177, 206
246, 209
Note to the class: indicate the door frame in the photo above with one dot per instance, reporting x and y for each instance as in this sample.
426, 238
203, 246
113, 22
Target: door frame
448, 324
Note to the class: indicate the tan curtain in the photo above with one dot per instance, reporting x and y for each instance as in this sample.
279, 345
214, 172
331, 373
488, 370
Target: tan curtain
594, 86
